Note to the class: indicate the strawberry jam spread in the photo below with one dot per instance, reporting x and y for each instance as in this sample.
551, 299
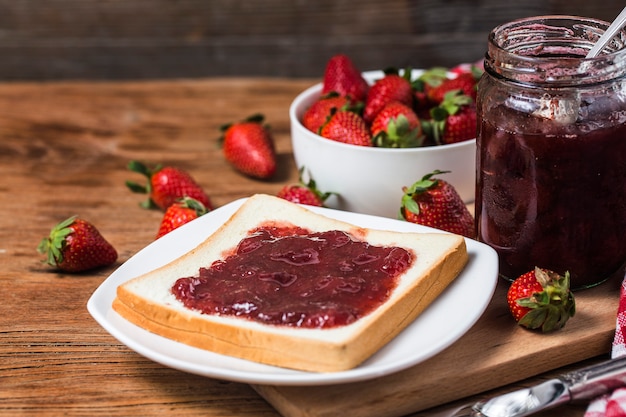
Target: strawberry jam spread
289, 276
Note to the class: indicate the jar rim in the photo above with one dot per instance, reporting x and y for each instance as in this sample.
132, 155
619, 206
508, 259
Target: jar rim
552, 49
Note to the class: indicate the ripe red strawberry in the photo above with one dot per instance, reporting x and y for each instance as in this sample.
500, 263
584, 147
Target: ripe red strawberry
319, 112
465, 83
397, 126
303, 192
166, 185
454, 120
460, 126
342, 77
392, 87
434, 202
249, 147
421, 85
182, 211
541, 299
75, 245
347, 127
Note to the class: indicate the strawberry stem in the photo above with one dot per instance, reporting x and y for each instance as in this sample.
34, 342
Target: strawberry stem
312, 185
452, 103
419, 187
53, 245
194, 204
552, 307
142, 169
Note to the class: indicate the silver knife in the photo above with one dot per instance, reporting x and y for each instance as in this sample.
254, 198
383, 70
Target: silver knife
583, 384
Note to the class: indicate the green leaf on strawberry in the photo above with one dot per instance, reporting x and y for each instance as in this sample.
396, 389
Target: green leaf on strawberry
75, 245
179, 213
541, 299
454, 119
435, 203
165, 185
397, 126
304, 192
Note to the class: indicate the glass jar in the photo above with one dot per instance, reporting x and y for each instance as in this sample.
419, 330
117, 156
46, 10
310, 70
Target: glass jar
551, 160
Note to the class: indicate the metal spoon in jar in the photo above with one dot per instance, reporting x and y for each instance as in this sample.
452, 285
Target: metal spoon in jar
609, 34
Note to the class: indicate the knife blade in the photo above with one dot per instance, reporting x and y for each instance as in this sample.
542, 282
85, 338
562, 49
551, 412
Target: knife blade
583, 384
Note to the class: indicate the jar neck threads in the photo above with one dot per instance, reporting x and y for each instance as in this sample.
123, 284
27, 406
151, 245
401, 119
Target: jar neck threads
551, 50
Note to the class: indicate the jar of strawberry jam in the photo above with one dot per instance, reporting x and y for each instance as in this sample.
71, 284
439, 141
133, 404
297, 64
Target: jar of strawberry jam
551, 161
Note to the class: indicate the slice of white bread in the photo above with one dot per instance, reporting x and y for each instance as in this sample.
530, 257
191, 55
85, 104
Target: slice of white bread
148, 301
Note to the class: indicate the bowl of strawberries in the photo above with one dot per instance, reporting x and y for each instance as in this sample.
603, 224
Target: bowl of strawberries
367, 136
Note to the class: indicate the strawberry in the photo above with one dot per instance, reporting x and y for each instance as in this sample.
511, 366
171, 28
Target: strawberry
166, 185
248, 146
460, 126
421, 85
454, 120
182, 211
397, 126
318, 113
347, 127
75, 245
342, 77
392, 87
434, 202
464, 82
541, 299
303, 192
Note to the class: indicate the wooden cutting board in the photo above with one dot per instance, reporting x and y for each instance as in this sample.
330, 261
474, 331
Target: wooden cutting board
495, 352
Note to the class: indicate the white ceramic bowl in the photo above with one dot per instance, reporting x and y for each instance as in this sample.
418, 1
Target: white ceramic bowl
370, 180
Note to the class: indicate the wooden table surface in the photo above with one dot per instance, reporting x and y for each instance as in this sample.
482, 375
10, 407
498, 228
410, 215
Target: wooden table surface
64, 148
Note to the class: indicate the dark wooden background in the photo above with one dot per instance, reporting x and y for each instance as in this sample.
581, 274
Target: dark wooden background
142, 39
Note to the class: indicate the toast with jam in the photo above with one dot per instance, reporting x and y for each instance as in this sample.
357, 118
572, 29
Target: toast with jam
282, 285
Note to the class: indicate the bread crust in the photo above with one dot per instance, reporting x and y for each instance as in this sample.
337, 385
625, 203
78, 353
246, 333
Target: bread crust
147, 301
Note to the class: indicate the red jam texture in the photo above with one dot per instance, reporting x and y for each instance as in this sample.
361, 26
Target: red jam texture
553, 199
289, 276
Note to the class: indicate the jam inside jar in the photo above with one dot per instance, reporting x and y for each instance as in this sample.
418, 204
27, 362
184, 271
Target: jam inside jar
551, 160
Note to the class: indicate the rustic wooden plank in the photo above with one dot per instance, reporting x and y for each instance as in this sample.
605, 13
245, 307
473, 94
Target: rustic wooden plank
492, 350
64, 147
79, 137
91, 39
63, 150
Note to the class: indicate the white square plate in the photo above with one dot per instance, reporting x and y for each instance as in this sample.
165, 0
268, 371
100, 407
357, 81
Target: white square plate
449, 317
